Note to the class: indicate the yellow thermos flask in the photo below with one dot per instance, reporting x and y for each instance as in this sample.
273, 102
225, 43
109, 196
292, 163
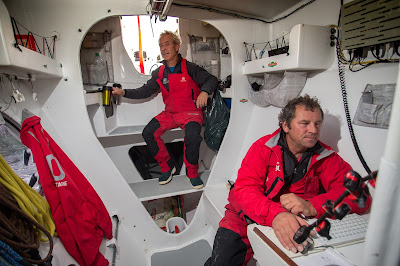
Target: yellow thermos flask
107, 92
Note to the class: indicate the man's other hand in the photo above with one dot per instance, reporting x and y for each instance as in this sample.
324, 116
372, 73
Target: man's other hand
296, 205
118, 91
202, 99
285, 226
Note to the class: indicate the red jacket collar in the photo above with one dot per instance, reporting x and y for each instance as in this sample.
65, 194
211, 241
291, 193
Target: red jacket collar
272, 143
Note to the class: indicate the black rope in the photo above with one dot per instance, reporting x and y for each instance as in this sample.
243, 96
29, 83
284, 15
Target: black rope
17, 230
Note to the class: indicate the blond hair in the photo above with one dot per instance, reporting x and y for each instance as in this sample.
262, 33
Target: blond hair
174, 37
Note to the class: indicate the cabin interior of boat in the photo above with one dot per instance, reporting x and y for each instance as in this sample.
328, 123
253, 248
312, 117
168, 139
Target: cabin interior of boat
286, 47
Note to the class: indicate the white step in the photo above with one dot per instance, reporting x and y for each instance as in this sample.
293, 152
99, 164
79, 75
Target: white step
179, 185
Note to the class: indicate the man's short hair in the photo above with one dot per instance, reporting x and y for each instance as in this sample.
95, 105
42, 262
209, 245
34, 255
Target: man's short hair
174, 37
288, 112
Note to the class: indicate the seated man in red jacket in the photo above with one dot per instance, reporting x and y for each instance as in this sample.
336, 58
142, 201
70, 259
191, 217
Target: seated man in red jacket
185, 87
282, 175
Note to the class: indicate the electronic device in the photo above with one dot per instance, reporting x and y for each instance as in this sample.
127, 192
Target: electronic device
351, 229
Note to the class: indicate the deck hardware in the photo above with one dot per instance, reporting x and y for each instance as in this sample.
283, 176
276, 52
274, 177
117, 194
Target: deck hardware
16, 94
113, 243
55, 35
34, 94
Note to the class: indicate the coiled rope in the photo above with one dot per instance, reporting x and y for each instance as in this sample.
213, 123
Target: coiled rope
24, 215
28, 199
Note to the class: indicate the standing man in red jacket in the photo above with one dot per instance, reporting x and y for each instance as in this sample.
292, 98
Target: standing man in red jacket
282, 176
185, 87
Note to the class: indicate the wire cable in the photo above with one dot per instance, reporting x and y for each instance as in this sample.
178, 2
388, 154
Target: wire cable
341, 68
17, 36
50, 37
1, 94
236, 15
346, 108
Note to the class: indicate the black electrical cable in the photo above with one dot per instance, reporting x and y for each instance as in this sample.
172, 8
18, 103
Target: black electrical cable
364, 66
396, 48
236, 15
1, 93
341, 68
373, 53
346, 108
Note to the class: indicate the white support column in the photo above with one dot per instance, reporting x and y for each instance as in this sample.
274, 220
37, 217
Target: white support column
383, 241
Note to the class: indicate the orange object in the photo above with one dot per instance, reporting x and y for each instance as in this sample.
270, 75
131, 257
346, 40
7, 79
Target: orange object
26, 41
140, 48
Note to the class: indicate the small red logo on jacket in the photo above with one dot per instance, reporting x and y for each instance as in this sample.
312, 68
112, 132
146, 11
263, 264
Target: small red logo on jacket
277, 167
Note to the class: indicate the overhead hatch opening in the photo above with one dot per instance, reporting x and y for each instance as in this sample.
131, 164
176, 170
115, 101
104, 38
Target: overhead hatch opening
149, 34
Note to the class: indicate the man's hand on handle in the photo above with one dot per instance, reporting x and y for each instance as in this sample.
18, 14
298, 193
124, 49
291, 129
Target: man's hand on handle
285, 225
118, 91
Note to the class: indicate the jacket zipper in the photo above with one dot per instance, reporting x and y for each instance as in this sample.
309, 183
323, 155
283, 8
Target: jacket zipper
272, 186
193, 99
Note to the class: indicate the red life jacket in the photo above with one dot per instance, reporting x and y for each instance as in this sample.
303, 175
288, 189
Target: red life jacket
183, 91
